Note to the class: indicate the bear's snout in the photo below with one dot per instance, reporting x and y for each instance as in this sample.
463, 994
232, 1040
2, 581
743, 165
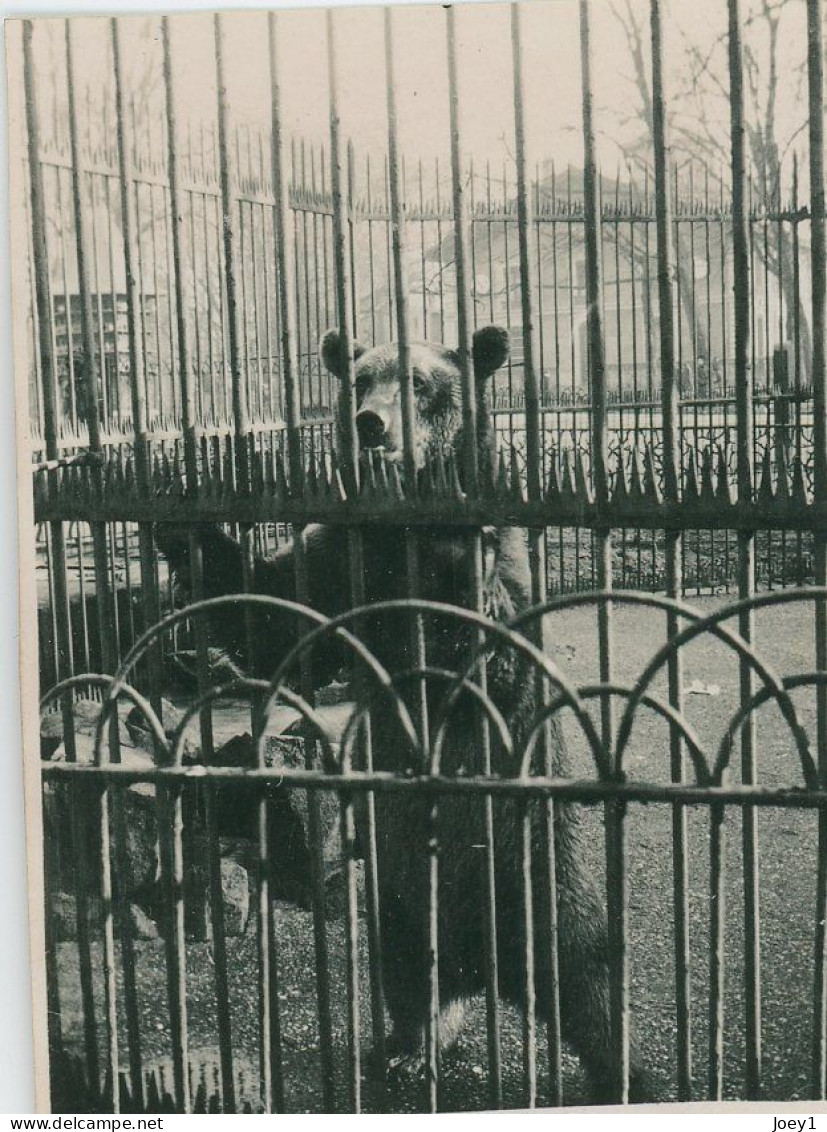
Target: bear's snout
372, 428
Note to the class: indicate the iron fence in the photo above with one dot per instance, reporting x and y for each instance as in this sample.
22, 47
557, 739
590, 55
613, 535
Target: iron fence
701, 208
671, 414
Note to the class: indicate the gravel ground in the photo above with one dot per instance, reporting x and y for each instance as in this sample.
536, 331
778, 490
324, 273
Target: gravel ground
787, 876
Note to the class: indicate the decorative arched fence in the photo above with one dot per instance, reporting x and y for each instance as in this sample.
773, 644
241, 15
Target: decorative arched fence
180, 280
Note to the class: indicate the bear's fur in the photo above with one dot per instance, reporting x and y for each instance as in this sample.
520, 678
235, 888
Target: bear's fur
401, 820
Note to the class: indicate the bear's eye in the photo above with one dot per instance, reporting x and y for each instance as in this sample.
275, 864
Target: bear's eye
418, 383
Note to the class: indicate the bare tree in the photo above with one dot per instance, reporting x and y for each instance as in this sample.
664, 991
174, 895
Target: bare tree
699, 129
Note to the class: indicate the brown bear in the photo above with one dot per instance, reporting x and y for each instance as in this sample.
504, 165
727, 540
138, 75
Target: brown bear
401, 820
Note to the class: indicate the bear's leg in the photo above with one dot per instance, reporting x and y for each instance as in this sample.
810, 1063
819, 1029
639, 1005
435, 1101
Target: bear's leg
405, 985
585, 1011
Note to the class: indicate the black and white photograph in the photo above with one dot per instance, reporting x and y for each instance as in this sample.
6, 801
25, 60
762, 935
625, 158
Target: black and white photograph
421, 428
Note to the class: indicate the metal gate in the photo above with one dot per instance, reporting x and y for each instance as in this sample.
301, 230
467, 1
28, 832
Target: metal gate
224, 417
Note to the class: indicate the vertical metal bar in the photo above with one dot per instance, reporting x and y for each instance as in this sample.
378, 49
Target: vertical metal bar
292, 410
717, 918
674, 579
710, 391
461, 257
341, 249
103, 594
350, 455
400, 267
235, 330
141, 450
461, 228
537, 554
815, 91
573, 354
56, 539
268, 1024
400, 270
615, 848
182, 342
746, 549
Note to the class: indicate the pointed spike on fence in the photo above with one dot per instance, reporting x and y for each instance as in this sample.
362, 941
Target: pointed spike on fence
166, 469
621, 492
337, 482
269, 473
227, 471
397, 488
516, 492
765, 489
707, 486
178, 484
651, 488
382, 482
581, 479
41, 488
454, 485
129, 482
324, 478
110, 474
153, 1100
635, 479
425, 481
157, 473
283, 489
722, 490
501, 489
690, 487
256, 472
568, 491
311, 479
553, 487
782, 475
799, 495
367, 483
441, 478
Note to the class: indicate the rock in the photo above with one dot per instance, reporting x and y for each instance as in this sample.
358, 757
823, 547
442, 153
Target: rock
136, 868
143, 925
64, 919
85, 714
141, 735
235, 889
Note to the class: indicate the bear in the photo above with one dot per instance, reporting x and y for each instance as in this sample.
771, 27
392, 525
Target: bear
402, 819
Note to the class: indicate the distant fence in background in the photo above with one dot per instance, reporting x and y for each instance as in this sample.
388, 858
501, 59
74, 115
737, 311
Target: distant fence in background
779, 354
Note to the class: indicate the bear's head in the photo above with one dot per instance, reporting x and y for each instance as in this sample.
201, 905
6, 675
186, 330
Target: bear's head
437, 389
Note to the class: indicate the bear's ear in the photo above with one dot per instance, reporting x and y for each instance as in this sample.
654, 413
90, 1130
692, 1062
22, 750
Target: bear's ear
331, 351
490, 350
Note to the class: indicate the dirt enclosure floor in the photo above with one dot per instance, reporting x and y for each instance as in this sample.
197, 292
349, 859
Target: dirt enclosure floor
788, 846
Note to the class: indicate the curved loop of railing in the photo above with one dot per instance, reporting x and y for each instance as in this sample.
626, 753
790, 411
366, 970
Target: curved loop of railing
433, 672
337, 627
700, 761
711, 623
208, 605
103, 681
242, 685
252, 686
799, 680
459, 683
505, 634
